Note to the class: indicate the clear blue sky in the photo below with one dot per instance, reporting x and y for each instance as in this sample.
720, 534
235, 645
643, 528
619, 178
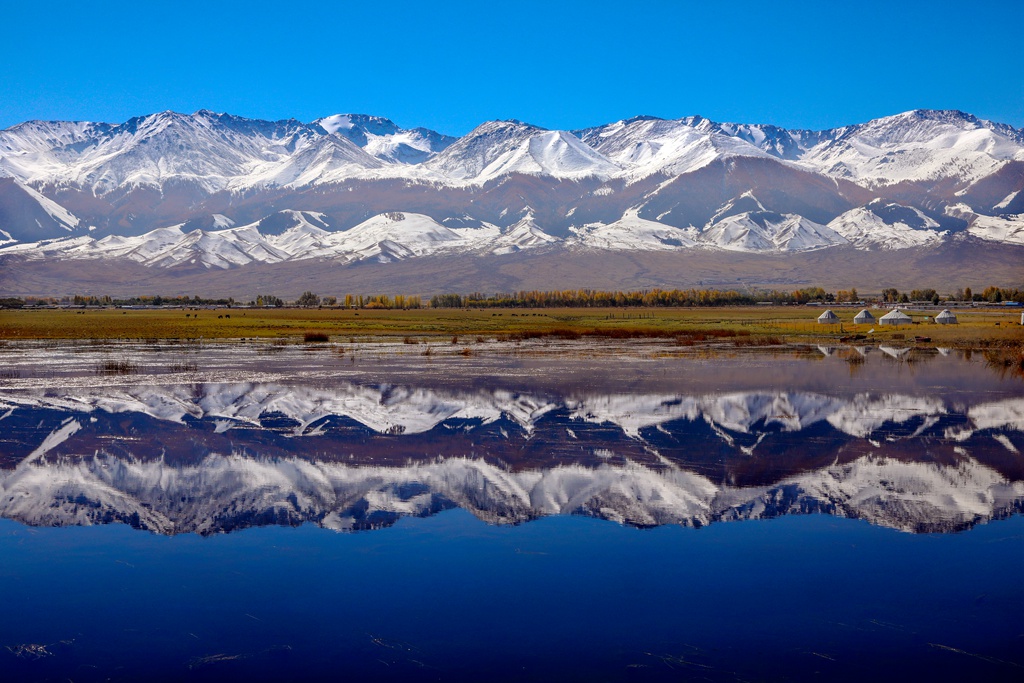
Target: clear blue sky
452, 65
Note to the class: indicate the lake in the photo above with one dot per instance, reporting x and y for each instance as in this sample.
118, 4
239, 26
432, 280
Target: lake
520, 511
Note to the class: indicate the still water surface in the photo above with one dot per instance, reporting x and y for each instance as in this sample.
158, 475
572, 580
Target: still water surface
530, 513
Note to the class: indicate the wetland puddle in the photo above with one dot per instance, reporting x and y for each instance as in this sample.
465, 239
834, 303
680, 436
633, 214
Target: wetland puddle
519, 512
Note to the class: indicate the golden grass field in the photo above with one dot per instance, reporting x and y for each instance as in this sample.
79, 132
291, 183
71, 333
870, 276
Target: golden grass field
760, 325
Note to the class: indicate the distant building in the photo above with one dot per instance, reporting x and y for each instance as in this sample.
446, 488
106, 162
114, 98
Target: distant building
864, 318
828, 318
945, 318
895, 317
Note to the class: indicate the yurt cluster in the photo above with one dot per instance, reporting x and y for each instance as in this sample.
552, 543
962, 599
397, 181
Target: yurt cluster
894, 317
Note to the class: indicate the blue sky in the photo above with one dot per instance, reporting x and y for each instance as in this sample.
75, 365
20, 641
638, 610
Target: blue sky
452, 65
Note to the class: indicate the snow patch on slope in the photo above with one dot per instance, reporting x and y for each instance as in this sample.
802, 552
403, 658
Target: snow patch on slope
865, 229
757, 231
521, 235
390, 236
1008, 229
633, 233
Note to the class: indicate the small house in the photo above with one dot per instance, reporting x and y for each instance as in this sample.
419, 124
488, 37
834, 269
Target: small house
895, 317
828, 318
864, 318
945, 318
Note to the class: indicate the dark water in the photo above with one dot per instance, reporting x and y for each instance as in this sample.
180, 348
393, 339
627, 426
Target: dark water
527, 513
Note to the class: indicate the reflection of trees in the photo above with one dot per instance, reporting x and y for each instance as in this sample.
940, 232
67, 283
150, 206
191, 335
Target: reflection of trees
922, 354
1007, 361
855, 359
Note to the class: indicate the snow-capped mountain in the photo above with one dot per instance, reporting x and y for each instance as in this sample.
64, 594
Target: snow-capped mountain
765, 231
920, 145
383, 139
148, 189
917, 146
392, 236
499, 148
27, 215
523, 234
647, 145
207, 150
886, 226
635, 234
1005, 228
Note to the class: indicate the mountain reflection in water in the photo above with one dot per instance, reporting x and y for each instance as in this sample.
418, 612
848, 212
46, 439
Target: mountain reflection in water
210, 457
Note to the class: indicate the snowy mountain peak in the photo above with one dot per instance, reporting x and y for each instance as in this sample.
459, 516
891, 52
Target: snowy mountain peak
646, 146
356, 126
499, 148
384, 139
923, 126
523, 234
919, 145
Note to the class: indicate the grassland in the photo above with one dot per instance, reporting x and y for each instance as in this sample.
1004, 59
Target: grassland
760, 325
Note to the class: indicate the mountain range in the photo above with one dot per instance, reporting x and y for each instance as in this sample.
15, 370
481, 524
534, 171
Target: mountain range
174, 198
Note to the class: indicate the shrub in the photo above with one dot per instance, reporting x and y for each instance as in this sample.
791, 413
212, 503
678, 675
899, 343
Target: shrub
308, 299
767, 340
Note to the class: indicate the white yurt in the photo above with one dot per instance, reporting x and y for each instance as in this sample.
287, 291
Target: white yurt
895, 317
945, 318
864, 318
828, 318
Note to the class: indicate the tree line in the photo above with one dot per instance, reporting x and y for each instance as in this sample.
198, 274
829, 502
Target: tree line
588, 298
567, 298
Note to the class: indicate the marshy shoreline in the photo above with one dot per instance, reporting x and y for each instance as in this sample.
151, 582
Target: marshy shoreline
990, 327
